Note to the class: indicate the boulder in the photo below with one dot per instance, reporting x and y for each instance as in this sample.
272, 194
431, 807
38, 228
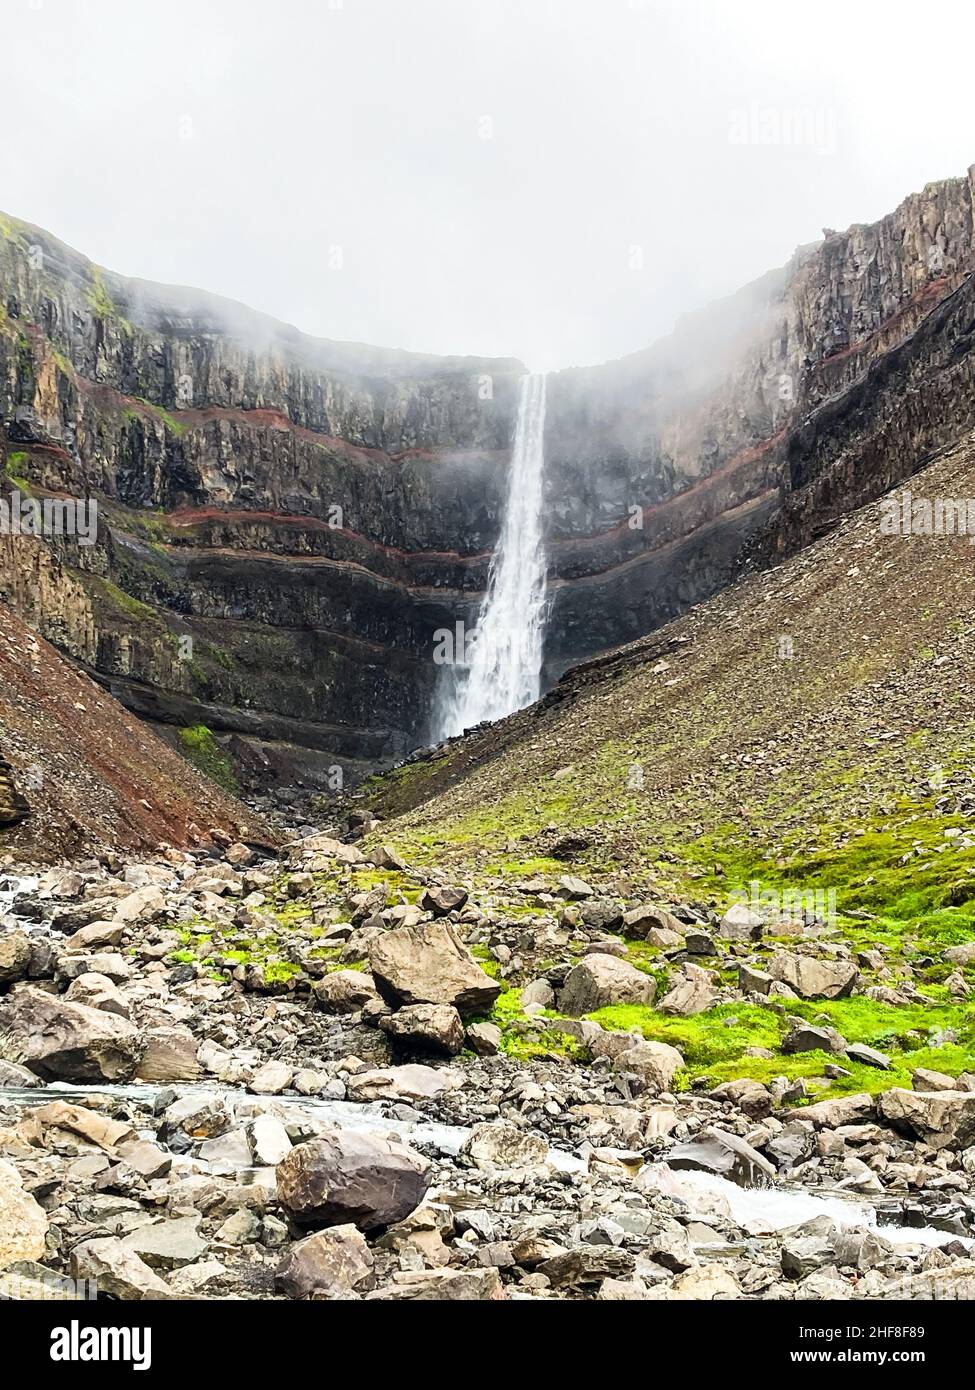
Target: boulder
332, 1263
440, 901
96, 936
345, 991
692, 993
97, 1129
12, 1075
427, 964
752, 981
167, 1244
271, 1079
429, 1027
116, 1270
943, 1119
443, 1286
14, 957
143, 903
955, 1283
411, 1082
805, 1037
655, 1063
845, 1110
484, 1039
97, 992
587, 1265
269, 1140
600, 980
740, 923
23, 1224
385, 857
750, 1097
717, 1151
61, 1041
344, 1177
499, 1144
640, 921
813, 978
170, 1055
869, 1056
573, 889
538, 992
924, 1080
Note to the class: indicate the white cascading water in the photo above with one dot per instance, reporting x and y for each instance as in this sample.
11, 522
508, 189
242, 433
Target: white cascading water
505, 651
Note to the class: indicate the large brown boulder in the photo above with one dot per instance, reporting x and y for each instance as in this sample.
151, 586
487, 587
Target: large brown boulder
61, 1041
601, 980
428, 964
345, 1177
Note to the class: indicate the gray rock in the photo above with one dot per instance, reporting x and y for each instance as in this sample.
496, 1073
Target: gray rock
640, 921
440, 901
869, 1056
484, 1039
717, 1151
345, 991
943, 1119
805, 1037
601, 980
587, 1265
444, 1286
117, 1270
691, 995
167, 1244
503, 1145
740, 923
432, 1027
813, 978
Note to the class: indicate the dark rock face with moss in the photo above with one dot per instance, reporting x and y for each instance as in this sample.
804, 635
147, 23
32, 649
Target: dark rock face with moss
286, 522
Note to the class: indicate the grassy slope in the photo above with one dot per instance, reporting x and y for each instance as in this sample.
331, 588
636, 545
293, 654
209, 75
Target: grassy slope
702, 760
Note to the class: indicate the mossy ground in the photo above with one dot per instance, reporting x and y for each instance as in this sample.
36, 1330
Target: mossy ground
200, 747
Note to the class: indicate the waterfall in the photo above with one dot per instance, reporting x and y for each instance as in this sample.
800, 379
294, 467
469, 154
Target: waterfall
503, 667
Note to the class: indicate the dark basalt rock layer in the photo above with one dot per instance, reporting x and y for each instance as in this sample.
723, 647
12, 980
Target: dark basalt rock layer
285, 522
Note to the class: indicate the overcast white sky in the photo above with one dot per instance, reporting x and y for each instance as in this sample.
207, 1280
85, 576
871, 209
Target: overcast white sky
494, 171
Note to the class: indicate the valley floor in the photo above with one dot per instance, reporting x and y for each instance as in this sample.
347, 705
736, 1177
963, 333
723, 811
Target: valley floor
657, 990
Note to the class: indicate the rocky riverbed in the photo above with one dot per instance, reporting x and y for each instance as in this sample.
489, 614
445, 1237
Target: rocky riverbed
332, 1076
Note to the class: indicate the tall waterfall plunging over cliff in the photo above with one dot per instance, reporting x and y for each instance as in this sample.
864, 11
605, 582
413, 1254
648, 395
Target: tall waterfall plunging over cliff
504, 653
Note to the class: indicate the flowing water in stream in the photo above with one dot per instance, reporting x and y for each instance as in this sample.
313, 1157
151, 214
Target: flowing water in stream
757, 1211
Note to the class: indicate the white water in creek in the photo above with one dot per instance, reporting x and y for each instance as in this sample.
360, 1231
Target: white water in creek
756, 1211
504, 653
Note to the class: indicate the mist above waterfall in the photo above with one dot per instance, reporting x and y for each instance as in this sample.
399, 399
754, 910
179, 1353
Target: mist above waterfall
500, 670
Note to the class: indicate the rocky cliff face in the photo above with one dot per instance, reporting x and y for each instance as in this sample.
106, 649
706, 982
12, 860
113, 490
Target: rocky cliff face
285, 522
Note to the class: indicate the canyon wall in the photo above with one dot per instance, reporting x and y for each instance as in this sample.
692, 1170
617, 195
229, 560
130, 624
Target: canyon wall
285, 522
